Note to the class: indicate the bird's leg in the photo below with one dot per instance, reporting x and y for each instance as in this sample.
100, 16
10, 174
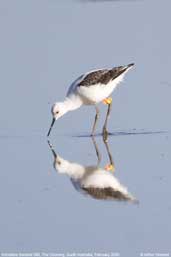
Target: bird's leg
95, 121
107, 100
105, 132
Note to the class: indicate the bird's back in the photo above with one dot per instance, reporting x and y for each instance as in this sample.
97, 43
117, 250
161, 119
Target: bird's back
96, 85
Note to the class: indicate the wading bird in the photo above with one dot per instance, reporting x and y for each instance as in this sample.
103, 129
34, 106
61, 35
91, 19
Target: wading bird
90, 89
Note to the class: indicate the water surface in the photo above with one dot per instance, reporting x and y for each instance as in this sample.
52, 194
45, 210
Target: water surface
44, 46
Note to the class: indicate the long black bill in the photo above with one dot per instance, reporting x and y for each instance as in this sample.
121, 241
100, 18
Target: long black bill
53, 121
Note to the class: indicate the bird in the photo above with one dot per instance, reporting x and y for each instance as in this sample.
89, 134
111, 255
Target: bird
91, 88
94, 181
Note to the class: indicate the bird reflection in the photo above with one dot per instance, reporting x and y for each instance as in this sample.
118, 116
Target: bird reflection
94, 181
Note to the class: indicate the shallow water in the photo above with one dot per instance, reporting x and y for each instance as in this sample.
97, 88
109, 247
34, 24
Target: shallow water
43, 47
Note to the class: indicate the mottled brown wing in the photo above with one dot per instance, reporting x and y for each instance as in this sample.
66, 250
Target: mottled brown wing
101, 76
105, 193
93, 78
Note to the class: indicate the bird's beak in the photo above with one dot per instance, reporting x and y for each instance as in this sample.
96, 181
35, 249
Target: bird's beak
53, 121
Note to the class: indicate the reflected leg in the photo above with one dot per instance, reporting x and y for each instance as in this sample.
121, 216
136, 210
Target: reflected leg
111, 166
97, 151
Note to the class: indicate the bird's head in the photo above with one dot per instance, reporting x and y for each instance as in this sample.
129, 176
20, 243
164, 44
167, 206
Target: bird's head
57, 110
60, 164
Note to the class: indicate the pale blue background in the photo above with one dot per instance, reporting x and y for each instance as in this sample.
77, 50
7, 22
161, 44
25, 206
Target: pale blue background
44, 46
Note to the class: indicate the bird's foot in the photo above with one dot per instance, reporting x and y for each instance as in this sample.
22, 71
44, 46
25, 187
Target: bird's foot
110, 167
105, 134
107, 100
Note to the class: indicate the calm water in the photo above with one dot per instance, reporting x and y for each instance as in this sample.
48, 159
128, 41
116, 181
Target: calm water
44, 46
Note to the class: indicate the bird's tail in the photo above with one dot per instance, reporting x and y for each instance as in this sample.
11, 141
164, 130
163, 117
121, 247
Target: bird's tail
117, 71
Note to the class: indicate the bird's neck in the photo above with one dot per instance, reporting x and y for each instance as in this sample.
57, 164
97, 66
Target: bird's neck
71, 103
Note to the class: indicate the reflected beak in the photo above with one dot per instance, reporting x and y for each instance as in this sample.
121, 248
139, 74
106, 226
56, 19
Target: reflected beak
51, 148
53, 121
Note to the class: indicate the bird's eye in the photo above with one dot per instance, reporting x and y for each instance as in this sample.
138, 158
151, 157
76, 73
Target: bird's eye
58, 162
57, 112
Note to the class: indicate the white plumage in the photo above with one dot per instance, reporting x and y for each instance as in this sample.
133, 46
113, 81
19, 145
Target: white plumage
90, 89
87, 179
92, 180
